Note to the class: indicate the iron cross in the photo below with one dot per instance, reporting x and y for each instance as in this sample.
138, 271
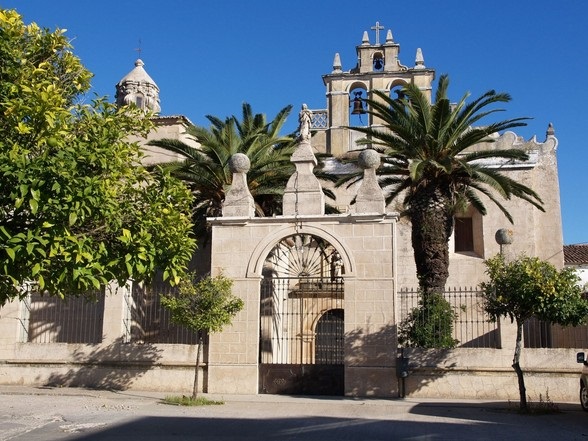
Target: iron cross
139, 49
377, 28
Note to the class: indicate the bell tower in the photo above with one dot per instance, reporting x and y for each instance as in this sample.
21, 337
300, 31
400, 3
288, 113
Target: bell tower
138, 88
378, 68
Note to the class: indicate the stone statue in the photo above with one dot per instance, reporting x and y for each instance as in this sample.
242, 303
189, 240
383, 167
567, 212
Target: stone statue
336, 266
305, 119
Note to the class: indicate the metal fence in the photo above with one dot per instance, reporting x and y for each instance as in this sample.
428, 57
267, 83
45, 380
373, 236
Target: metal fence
538, 334
48, 319
472, 327
148, 321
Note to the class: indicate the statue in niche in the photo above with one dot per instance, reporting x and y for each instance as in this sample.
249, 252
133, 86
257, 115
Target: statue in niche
336, 266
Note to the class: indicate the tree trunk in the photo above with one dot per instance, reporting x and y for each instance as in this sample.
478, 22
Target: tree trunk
197, 368
517, 367
432, 224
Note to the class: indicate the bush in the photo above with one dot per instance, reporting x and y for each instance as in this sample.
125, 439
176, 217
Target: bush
429, 325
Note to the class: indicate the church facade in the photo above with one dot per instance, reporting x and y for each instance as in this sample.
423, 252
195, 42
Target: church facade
323, 293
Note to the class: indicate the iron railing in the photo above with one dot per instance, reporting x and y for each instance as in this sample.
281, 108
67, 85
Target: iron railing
319, 120
472, 327
301, 321
49, 319
150, 322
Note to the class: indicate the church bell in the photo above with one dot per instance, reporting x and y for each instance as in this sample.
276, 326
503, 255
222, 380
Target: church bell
358, 105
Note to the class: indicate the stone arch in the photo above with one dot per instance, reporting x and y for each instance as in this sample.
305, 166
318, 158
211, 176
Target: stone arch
357, 85
394, 88
395, 82
263, 248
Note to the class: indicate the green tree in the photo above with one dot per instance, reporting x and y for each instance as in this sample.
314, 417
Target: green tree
529, 287
203, 306
76, 208
205, 169
428, 161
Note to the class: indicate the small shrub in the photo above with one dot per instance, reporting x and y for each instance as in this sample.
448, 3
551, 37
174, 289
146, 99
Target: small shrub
429, 325
544, 406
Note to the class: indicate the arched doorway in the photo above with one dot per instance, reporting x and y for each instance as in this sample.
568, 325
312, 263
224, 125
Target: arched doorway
301, 318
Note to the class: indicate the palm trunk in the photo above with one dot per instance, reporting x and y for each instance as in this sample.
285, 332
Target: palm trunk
432, 224
197, 368
517, 367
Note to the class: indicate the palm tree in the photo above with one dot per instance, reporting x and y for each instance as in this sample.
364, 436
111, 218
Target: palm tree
206, 171
428, 162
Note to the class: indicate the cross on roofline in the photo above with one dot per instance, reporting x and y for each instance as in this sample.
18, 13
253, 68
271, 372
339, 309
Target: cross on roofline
139, 49
377, 28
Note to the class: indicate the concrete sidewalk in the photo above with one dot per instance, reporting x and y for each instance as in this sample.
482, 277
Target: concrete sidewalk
36, 414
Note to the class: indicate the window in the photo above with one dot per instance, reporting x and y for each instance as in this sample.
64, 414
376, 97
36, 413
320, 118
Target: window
464, 234
468, 234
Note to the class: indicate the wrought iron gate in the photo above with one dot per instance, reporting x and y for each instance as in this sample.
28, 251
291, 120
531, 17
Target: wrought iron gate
301, 319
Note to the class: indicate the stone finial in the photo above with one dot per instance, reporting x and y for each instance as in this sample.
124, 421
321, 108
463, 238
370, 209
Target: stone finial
337, 63
550, 130
505, 237
389, 38
370, 198
419, 62
238, 200
365, 40
239, 163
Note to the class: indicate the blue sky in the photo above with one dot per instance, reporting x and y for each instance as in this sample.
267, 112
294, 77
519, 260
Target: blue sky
210, 57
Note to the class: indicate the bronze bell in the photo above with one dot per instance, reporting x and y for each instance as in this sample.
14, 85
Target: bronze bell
358, 105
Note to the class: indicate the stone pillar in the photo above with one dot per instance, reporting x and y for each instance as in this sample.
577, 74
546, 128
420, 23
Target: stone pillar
115, 312
11, 331
507, 330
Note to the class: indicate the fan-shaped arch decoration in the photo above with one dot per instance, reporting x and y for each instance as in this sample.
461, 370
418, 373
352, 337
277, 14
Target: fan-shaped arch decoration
304, 255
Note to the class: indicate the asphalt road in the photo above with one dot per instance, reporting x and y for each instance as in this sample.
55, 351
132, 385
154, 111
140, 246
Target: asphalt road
33, 414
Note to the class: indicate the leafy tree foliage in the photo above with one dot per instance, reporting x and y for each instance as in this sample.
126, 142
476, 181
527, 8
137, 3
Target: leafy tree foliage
206, 171
76, 209
203, 306
428, 162
529, 287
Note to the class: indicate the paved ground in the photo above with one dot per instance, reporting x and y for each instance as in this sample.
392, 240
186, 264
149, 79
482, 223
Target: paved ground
40, 414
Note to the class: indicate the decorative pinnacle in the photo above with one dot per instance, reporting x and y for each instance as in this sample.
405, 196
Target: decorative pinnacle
337, 63
419, 62
550, 130
389, 38
366, 39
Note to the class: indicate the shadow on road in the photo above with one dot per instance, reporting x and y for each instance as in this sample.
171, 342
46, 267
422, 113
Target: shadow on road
445, 423
313, 428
